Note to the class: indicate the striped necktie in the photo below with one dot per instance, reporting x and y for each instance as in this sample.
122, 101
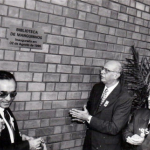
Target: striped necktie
103, 97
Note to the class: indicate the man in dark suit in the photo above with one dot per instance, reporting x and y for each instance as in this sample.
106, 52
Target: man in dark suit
107, 110
137, 134
10, 137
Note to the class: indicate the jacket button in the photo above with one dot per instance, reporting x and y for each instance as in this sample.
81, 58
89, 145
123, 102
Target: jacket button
104, 137
96, 147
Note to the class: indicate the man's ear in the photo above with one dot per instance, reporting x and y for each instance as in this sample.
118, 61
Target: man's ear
117, 75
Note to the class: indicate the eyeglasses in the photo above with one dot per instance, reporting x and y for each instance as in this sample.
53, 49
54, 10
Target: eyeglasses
107, 70
4, 94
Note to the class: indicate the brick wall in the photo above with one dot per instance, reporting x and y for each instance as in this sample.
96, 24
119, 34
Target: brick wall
81, 35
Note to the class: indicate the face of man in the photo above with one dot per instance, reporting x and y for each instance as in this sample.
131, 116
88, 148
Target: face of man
7, 92
110, 72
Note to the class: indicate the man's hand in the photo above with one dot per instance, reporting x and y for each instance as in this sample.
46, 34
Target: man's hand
25, 137
35, 143
135, 139
80, 115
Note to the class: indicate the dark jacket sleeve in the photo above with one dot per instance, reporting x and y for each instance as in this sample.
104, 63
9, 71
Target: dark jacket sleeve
129, 130
119, 118
24, 145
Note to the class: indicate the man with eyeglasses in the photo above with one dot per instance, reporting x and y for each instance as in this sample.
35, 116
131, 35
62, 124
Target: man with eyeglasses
10, 137
107, 110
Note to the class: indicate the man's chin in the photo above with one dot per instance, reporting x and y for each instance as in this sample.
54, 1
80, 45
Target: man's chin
5, 105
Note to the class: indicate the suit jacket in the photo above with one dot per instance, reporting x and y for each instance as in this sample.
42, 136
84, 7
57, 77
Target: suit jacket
104, 130
5, 142
139, 121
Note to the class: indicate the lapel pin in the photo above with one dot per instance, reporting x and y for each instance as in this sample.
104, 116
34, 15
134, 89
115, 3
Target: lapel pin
106, 103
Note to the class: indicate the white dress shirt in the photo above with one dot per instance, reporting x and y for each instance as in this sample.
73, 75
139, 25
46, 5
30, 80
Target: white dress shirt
109, 90
7, 124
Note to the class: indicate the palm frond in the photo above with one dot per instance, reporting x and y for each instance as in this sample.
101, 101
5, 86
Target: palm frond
137, 78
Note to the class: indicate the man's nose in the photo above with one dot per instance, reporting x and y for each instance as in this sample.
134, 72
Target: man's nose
102, 71
8, 98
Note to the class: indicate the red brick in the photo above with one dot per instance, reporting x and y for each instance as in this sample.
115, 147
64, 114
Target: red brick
56, 20
92, 18
34, 114
62, 87
89, 53
23, 76
114, 6
77, 60
10, 66
76, 69
25, 56
73, 95
44, 131
9, 55
81, 25
13, 12
61, 95
3, 10
17, 4
68, 128
54, 138
49, 95
71, 13
122, 17
83, 6
47, 113
62, 2
23, 96
45, 123
33, 105
31, 124
57, 129
51, 67
36, 86
21, 86
43, 17
19, 106
45, 27
55, 39
68, 32
75, 78
64, 68
51, 77
44, 7
36, 96
66, 136
47, 105
66, 50
91, 35
59, 104
21, 115
104, 12
98, 62
7, 22
57, 121
53, 58
27, 14
67, 144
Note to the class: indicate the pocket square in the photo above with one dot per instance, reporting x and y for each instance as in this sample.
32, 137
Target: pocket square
106, 103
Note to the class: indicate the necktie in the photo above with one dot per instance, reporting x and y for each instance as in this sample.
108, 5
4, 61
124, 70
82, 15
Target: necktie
103, 97
7, 117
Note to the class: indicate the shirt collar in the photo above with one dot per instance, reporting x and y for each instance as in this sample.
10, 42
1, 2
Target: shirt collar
1, 109
112, 87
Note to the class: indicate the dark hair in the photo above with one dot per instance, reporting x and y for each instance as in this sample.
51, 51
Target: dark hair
5, 75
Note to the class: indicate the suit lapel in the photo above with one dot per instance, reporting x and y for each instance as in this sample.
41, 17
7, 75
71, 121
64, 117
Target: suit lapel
98, 98
111, 98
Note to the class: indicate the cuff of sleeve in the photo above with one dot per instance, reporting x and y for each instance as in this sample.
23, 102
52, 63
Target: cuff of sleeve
89, 119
